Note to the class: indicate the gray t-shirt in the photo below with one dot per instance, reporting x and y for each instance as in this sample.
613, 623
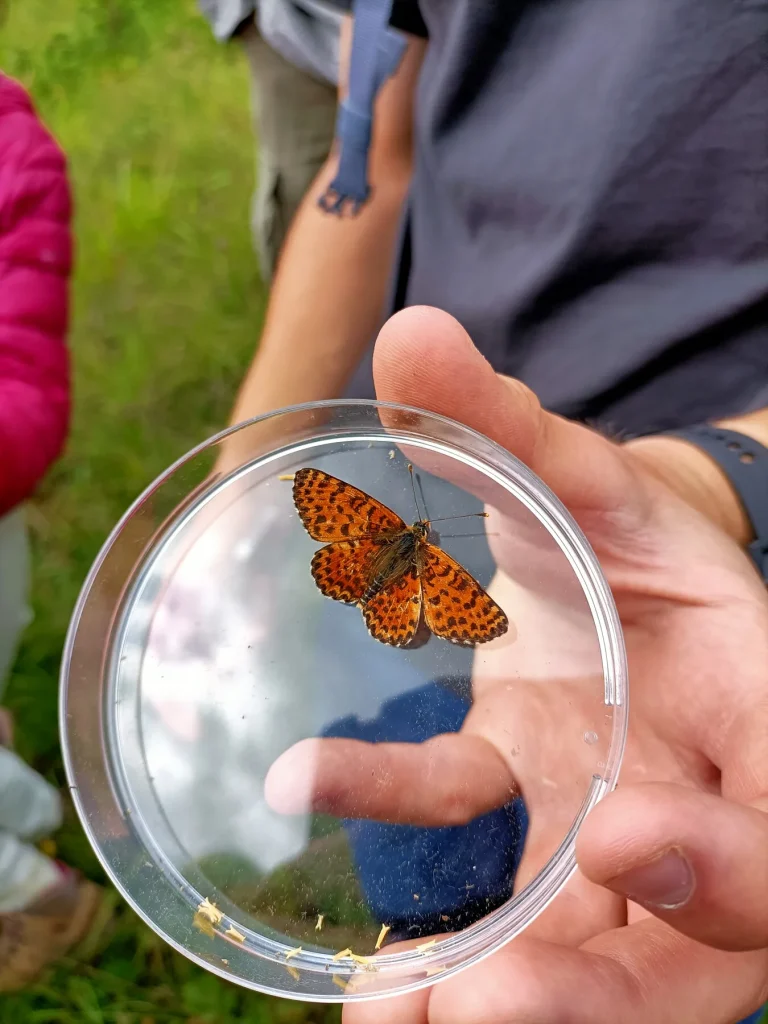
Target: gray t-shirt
305, 32
590, 199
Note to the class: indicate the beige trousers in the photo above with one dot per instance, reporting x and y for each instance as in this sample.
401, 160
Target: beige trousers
294, 116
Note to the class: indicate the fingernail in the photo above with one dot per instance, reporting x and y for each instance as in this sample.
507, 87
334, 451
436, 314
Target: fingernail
665, 884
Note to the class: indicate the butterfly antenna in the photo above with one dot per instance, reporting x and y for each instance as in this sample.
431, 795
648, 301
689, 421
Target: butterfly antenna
469, 515
423, 497
415, 499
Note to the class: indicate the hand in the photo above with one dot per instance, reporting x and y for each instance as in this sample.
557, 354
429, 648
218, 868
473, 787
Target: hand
685, 838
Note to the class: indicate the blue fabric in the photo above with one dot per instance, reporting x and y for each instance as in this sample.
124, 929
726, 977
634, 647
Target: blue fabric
421, 880
376, 52
756, 1017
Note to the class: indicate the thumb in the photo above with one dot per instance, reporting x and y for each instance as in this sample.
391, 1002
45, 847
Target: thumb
695, 860
425, 358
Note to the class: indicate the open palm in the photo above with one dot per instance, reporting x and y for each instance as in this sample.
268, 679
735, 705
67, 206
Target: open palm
695, 775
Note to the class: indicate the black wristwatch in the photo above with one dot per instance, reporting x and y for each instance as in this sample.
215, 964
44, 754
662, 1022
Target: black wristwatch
745, 462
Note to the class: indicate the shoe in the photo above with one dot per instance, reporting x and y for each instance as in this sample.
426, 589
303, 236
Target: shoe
69, 919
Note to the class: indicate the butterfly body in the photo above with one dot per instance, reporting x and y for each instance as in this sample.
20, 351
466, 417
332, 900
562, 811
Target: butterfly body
399, 553
390, 570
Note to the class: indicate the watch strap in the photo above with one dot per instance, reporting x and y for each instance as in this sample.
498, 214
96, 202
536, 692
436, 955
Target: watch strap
745, 462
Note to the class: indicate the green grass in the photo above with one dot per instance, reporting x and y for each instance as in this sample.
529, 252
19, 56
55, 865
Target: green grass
168, 304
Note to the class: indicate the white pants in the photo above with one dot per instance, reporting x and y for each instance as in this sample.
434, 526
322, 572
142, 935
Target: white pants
29, 806
14, 588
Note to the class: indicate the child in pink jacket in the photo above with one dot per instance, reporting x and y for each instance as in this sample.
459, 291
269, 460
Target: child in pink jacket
44, 907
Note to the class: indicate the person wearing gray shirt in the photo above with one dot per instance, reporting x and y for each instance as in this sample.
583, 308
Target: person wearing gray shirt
292, 48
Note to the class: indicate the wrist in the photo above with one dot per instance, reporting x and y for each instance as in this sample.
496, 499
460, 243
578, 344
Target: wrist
690, 473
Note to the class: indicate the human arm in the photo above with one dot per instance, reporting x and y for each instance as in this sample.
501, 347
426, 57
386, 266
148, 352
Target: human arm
690, 472
329, 291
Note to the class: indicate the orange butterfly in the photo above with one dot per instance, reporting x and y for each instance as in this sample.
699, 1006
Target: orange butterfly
388, 569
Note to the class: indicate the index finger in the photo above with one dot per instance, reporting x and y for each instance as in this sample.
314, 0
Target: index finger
449, 779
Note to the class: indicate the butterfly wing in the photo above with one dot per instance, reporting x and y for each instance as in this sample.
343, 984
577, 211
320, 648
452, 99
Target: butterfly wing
332, 510
455, 605
342, 570
392, 615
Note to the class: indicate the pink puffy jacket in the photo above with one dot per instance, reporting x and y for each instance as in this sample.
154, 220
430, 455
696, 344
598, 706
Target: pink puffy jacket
35, 263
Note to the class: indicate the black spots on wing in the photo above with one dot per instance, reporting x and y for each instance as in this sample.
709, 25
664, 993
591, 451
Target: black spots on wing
463, 637
385, 574
460, 583
335, 495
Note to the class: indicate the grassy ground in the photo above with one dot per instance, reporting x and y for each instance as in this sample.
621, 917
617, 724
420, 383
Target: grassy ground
168, 303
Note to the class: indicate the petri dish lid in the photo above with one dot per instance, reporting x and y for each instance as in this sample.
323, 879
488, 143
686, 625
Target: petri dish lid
291, 803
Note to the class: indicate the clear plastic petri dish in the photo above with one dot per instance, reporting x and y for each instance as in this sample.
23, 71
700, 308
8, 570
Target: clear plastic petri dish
293, 804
